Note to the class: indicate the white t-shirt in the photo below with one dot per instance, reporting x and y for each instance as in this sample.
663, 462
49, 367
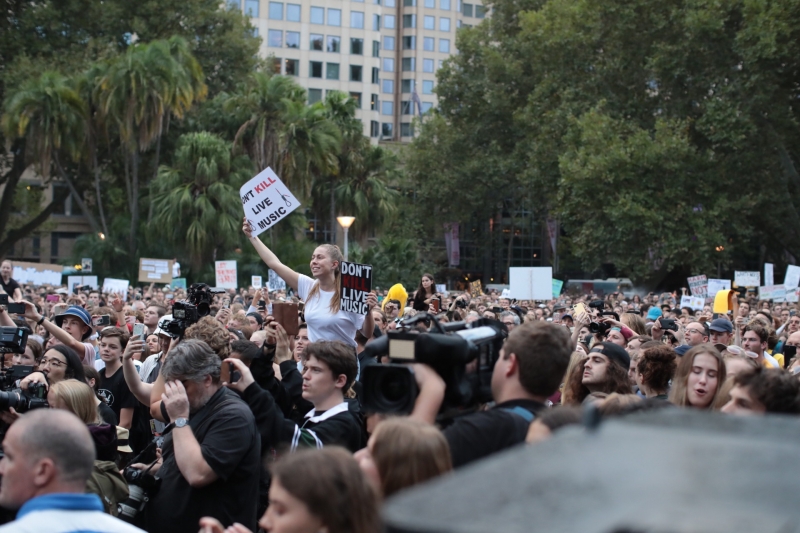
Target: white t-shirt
322, 325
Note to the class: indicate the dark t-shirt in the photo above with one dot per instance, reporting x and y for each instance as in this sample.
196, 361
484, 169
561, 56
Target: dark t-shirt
472, 437
10, 287
226, 431
107, 414
116, 392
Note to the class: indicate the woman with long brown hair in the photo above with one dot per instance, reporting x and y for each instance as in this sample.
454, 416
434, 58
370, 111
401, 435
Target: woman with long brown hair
323, 312
425, 293
699, 377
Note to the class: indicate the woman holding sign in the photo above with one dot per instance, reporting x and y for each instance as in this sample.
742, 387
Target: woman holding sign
324, 316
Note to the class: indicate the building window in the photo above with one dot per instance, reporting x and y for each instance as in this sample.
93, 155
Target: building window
406, 129
376, 22
373, 104
387, 86
427, 65
426, 106
356, 46
430, 4
444, 5
428, 44
276, 65
409, 64
407, 86
334, 17
444, 24
356, 72
314, 95
317, 15
374, 128
276, 10
315, 69
292, 67
466, 9
251, 8
375, 74
409, 42
292, 39
388, 43
429, 23
427, 87
387, 107
235, 4
332, 71
406, 107
316, 41
357, 98
376, 48
480, 12
386, 130
444, 46
293, 12
357, 19
409, 3
389, 3
409, 21
275, 38
388, 64
334, 44
388, 22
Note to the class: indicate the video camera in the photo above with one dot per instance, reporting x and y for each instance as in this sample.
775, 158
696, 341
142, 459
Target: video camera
189, 311
13, 339
392, 388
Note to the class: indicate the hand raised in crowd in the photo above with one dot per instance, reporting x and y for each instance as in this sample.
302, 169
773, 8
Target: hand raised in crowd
741, 322
176, 402
247, 377
30, 312
34, 377
247, 228
130, 319
134, 346
223, 315
212, 525
116, 302
283, 351
372, 301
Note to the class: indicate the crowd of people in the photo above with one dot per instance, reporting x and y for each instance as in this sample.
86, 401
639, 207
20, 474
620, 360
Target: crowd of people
230, 424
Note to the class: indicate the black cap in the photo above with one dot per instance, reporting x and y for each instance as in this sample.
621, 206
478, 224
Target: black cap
614, 352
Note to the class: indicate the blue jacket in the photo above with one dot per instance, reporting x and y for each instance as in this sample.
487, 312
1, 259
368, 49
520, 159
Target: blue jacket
66, 513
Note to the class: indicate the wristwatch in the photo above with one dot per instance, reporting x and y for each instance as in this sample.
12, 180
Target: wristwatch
181, 422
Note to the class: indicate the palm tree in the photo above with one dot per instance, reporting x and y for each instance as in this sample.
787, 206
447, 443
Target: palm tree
137, 91
50, 114
196, 203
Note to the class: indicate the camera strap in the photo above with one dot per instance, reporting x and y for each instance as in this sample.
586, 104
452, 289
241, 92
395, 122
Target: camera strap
521, 411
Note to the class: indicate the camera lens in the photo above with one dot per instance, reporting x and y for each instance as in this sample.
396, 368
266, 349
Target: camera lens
389, 389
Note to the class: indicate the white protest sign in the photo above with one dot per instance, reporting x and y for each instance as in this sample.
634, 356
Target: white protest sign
356, 284
698, 285
792, 278
266, 201
716, 285
531, 283
441, 288
792, 295
255, 281
225, 274
776, 293
747, 278
769, 274
276, 282
37, 273
117, 286
693, 302
81, 281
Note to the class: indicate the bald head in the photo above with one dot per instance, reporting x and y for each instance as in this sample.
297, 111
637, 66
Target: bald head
794, 339
695, 334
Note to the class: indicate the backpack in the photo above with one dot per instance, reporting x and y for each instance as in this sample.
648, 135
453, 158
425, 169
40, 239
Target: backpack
108, 483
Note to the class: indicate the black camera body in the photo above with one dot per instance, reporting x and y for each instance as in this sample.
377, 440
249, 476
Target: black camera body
24, 400
189, 311
392, 388
13, 339
141, 486
602, 328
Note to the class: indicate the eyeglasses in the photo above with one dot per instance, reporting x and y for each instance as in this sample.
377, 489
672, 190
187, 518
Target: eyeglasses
52, 362
695, 332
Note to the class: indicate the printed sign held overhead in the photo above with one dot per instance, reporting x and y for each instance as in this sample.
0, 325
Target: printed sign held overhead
698, 285
276, 282
747, 279
356, 286
155, 270
769, 274
776, 293
117, 286
716, 285
531, 283
37, 273
226, 274
792, 278
475, 289
255, 281
266, 201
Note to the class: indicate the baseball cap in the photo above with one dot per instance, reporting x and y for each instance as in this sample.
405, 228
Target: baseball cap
721, 325
614, 353
682, 349
654, 313
162, 325
81, 314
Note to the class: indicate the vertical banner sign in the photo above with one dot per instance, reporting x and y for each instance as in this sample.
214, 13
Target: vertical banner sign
226, 274
452, 243
266, 201
557, 286
255, 281
792, 278
276, 282
747, 279
475, 289
356, 285
769, 274
698, 286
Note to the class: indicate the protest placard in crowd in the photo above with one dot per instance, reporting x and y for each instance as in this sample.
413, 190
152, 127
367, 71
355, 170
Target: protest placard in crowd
792, 278
698, 285
226, 275
475, 288
86, 265
266, 201
155, 270
81, 281
716, 285
37, 273
178, 283
275, 283
747, 278
557, 286
776, 293
117, 286
255, 281
356, 285
693, 302
769, 274
531, 283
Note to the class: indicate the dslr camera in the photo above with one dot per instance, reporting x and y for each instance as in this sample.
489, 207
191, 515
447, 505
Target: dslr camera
23, 400
142, 486
189, 311
392, 388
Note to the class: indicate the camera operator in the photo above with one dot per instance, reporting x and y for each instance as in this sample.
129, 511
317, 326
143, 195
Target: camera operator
211, 461
530, 368
49, 457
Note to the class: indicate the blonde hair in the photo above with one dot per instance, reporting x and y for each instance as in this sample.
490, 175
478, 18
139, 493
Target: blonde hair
78, 398
336, 301
634, 322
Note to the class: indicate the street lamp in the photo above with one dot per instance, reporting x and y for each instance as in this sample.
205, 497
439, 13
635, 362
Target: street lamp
345, 223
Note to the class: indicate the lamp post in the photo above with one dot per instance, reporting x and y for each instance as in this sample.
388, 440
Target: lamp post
345, 223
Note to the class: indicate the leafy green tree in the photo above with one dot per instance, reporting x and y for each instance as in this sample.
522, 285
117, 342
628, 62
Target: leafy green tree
196, 205
394, 260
